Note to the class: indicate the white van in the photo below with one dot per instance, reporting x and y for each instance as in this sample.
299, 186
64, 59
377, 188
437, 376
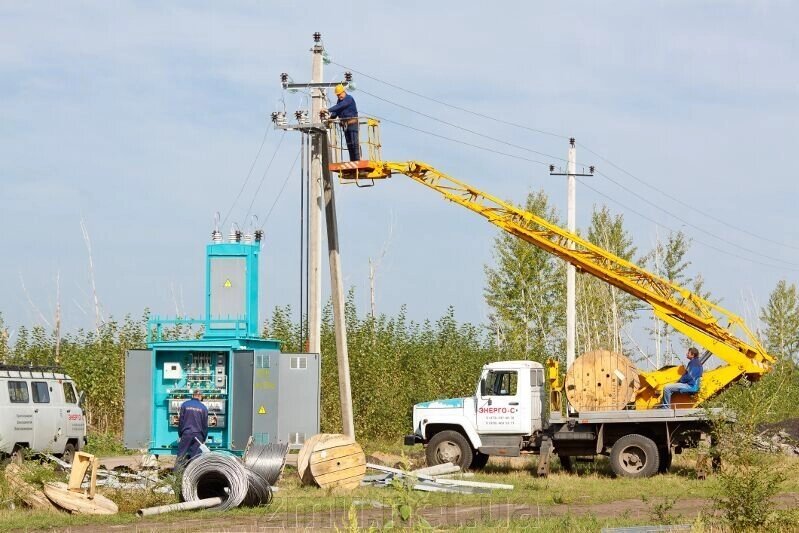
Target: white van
40, 409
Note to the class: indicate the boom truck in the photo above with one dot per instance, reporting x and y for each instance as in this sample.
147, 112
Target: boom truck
518, 406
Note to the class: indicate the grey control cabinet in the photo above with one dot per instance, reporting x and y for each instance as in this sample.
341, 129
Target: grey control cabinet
137, 422
285, 397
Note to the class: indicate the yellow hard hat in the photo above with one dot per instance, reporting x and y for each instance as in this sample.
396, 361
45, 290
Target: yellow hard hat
339, 88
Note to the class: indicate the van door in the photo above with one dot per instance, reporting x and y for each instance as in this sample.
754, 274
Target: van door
48, 435
500, 402
19, 424
73, 415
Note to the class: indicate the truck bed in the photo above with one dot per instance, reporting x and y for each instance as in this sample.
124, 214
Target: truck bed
650, 415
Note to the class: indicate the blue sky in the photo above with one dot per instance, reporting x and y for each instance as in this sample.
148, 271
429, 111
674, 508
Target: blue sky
143, 120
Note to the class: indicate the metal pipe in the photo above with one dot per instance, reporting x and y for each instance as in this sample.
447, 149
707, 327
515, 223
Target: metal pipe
182, 506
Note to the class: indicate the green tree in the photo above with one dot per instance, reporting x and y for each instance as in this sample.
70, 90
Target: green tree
603, 311
781, 318
525, 290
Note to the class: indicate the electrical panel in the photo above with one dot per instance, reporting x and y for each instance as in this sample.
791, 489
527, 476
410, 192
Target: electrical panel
206, 372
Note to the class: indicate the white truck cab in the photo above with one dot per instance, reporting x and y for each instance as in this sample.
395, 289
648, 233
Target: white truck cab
507, 406
40, 410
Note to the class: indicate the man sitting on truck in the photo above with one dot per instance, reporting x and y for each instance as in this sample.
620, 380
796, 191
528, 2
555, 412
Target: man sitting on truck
689, 381
192, 427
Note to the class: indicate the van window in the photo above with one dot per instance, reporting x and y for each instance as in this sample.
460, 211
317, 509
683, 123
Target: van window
69, 393
18, 391
41, 394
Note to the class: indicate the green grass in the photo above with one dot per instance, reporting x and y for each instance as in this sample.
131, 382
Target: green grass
559, 492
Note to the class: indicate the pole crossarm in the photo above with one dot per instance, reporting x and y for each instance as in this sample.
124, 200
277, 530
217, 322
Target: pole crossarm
666, 297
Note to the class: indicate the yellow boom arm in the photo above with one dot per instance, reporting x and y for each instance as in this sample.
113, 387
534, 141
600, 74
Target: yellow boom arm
688, 313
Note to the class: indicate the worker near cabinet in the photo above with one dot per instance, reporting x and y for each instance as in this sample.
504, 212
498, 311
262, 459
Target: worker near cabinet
192, 427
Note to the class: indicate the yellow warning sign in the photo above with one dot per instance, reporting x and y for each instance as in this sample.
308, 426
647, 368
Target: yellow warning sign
228, 284
261, 410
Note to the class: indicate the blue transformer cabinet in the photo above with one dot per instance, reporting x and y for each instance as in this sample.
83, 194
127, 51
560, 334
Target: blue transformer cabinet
250, 388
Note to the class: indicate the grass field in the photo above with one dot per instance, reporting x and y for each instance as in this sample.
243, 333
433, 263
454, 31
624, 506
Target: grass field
586, 501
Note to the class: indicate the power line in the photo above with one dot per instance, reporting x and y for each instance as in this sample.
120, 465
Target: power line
263, 177
745, 258
473, 132
279, 194
544, 132
791, 266
247, 179
472, 145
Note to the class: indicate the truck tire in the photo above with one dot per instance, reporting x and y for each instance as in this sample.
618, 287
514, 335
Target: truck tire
635, 456
479, 461
665, 460
449, 446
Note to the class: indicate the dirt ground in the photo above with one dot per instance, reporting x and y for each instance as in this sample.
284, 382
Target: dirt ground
455, 515
790, 426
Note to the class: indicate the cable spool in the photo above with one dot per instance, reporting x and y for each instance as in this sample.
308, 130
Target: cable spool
601, 380
266, 461
210, 474
332, 461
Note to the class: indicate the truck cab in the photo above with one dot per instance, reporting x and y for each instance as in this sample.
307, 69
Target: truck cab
506, 413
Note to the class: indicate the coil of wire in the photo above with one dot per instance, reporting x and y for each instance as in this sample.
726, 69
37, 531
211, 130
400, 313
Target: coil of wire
258, 492
213, 475
267, 461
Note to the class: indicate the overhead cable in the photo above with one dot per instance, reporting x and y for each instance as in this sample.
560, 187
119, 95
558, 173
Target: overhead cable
553, 134
263, 176
279, 194
247, 179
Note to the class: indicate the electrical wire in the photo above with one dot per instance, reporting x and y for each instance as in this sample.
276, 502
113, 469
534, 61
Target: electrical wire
708, 245
267, 461
544, 132
212, 475
259, 492
291, 170
263, 176
247, 179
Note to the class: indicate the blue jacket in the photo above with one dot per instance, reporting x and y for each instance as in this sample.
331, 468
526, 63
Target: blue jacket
193, 419
346, 108
692, 373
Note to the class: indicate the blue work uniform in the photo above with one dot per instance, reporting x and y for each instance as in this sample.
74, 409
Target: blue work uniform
688, 382
347, 112
192, 425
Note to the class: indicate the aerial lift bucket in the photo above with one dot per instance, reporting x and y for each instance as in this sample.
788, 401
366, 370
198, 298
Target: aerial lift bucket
364, 172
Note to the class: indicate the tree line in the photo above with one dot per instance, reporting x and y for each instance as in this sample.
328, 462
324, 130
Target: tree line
396, 362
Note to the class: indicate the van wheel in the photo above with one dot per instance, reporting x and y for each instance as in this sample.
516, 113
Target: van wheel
18, 455
449, 447
479, 461
635, 456
69, 453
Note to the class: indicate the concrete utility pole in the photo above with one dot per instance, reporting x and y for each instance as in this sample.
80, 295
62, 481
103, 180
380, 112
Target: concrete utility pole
315, 205
337, 293
571, 225
321, 181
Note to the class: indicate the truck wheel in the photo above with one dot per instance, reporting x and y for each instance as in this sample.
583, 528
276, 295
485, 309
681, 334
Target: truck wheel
479, 461
449, 447
665, 460
69, 453
635, 456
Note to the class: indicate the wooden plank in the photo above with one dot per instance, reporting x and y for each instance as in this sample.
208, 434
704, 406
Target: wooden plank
60, 494
29, 494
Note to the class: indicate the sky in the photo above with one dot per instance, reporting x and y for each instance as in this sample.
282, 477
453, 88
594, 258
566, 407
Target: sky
140, 120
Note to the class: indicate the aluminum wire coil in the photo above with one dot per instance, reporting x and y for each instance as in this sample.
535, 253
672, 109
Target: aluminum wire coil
267, 461
215, 475
258, 492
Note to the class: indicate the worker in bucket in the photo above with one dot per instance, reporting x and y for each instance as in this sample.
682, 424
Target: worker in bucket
192, 427
688, 382
347, 113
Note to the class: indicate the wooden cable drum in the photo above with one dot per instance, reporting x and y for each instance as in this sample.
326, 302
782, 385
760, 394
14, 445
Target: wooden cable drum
304, 459
337, 462
601, 380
